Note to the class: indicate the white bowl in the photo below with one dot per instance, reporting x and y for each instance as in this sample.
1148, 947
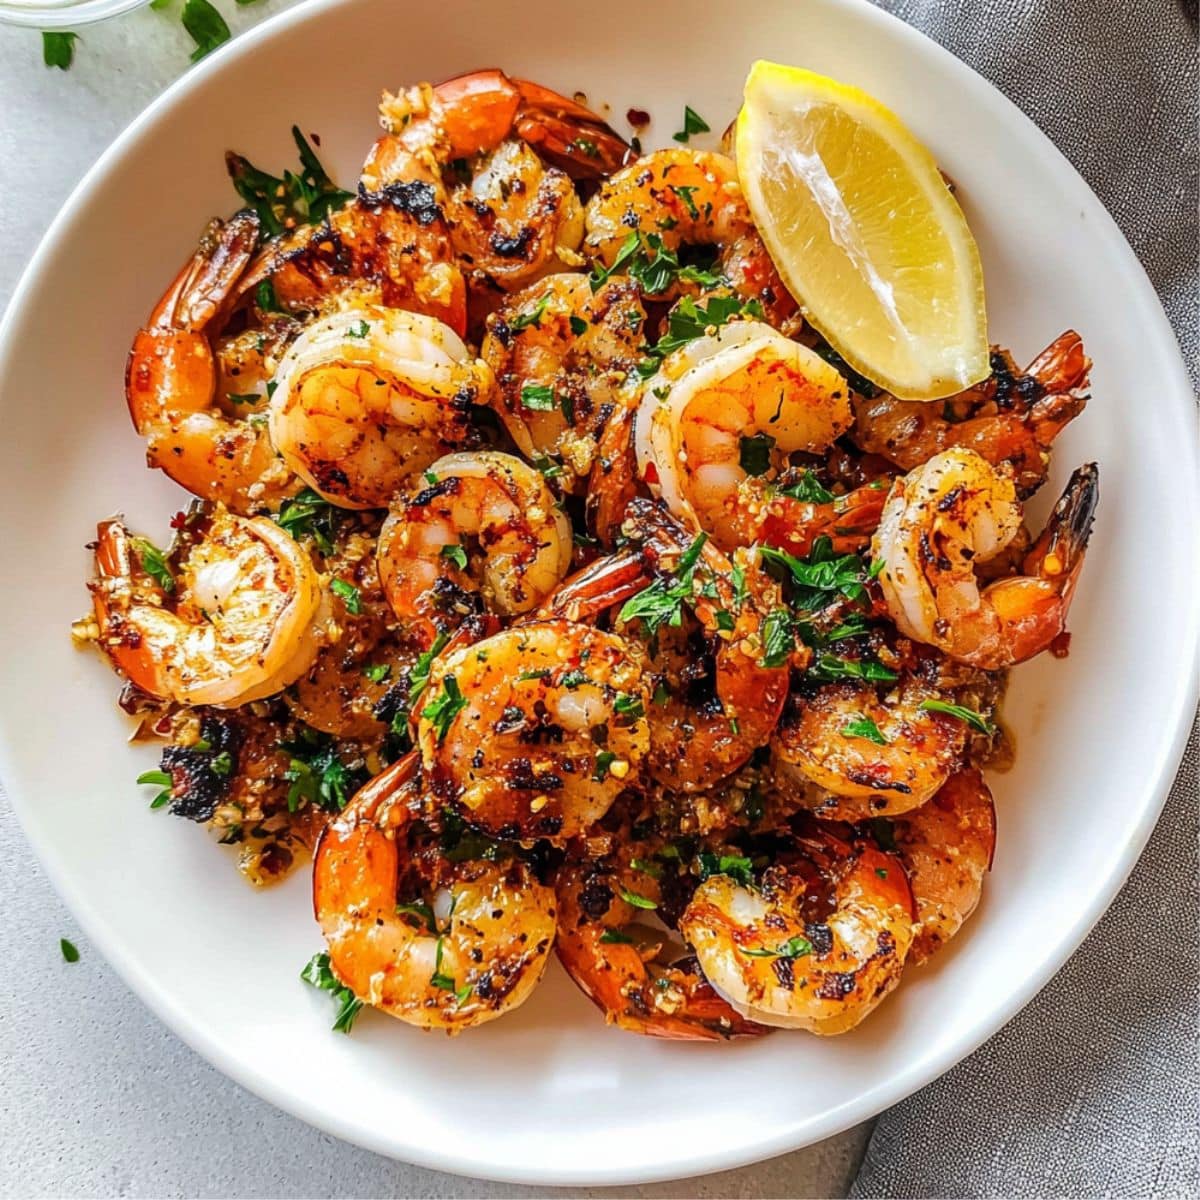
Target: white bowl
550, 1095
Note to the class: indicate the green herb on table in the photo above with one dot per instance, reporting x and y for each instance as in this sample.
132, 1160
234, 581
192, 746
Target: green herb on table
319, 974
58, 49
693, 122
69, 951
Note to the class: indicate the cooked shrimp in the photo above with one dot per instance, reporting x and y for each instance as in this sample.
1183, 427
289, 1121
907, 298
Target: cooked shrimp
191, 432
613, 482
438, 944
427, 128
626, 967
764, 513
711, 394
368, 397
689, 198
244, 616
816, 944
717, 699
516, 220
1011, 417
947, 846
535, 731
483, 530
876, 756
954, 512
564, 358
390, 247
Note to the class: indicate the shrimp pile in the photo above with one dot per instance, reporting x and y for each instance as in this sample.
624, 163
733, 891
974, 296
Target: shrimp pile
561, 593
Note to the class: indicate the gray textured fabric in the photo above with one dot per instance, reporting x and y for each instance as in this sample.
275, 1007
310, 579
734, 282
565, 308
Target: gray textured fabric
1092, 1090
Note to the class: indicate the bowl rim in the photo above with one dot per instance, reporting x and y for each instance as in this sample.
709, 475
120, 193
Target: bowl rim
920, 1070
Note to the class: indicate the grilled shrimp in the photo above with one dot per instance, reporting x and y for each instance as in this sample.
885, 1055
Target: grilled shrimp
775, 517
563, 356
533, 732
716, 697
368, 397
243, 616
427, 128
1012, 417
957, 511
947, 847
484, 529
438, 944
689, 198
626, 967
710, 395
203, 441
815, 944
876, 756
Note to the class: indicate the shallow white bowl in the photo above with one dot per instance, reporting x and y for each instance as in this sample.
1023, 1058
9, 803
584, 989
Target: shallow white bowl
550, 1095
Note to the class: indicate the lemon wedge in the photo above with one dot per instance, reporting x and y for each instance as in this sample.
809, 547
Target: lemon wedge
864, 231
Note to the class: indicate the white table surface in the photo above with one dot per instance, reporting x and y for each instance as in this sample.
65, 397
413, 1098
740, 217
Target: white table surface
97, 1097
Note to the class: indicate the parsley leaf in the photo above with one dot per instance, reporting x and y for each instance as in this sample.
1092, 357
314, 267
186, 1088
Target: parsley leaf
319, 974
614, 937
628, 705
794, 947
442, 710
350, 596
69, 950
693, 122
604, 760
58, 49
159, 779
418, 908
662, 602
537, 397
734, 865
638, 901
777, 640
822, 577
377, 672
308, 514
291, 200
864, 727
154, 563
206, 26
829, 668
578, 325
317, 774
967, 715
532, 317
755, 453
456, 554
809, 489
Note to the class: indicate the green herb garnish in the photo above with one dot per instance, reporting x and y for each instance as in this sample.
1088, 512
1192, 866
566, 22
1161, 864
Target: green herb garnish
348, 594
456, 554
69, 950
319, 974
693, 122
537, 397
58, 49
967, 715
638, 901
662, 602
864, 727
442, 710
794, 947
159, 779
755, 454
154, 563
205, 25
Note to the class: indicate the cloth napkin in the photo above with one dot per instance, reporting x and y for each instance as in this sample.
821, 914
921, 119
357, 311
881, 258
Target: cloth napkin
1092, 1090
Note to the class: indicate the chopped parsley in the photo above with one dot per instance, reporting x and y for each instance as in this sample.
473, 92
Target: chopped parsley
317, 774
829, 668
685, 194
777, 639
205, 25
736, 866
319, 974
359, 329
662, 602
456, 554
377, 672
578, 325
755, 453
532, 317
69, 950
809, 489
794, 947
154, 563
58, 49
441, 711
614, 937
294, 199
739, 585
308, 514
438, 979
688, 321
221, 764
864, 727
265, 298
348, 594
628, 705
637, 900
418, 679
604, 760
646, 258
822, 577
693, 122
158, 779
537, 398
967, 715
421, 910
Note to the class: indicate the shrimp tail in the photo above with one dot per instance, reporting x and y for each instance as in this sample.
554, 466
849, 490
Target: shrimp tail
566, 134
1060, 549
1063, 366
